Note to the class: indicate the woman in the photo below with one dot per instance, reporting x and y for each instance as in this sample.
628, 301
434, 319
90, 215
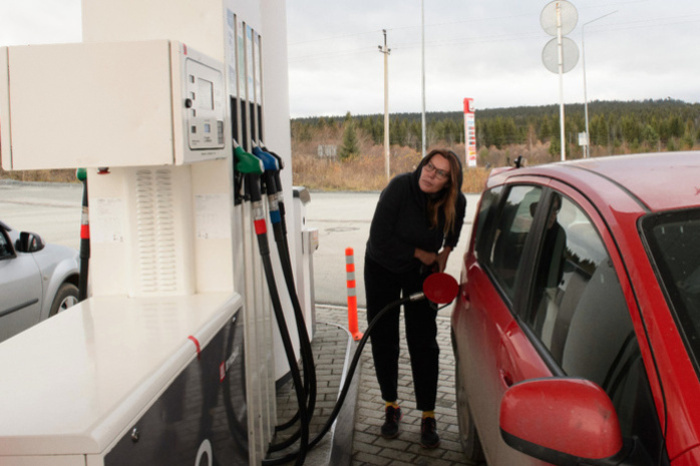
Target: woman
415, 226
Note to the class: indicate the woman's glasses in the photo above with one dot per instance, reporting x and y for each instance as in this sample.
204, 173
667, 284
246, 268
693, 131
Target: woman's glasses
442, 174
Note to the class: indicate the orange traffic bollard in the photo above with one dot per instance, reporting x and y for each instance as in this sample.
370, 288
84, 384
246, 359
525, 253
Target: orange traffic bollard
352, 295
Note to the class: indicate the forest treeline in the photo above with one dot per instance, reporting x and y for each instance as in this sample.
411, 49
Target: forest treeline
347, 153
615, 127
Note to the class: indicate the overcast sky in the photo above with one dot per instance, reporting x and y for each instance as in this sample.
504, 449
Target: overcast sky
490, 50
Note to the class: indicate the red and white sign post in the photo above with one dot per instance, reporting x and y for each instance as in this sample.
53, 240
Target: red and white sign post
470, 132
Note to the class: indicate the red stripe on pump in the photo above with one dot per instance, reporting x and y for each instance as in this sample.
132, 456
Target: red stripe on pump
196, 344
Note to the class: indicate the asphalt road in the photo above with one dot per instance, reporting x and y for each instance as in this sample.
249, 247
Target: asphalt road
342, 219
51, 210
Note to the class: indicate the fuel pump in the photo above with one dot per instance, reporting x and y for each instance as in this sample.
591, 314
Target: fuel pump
169, 248
149, 369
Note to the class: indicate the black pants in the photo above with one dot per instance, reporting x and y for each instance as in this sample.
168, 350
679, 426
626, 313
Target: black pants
383, 287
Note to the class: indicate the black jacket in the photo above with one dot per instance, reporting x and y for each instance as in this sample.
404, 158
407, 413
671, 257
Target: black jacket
400, 224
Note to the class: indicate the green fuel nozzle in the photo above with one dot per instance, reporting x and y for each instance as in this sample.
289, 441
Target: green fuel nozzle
247, 163
81, 174
251, 167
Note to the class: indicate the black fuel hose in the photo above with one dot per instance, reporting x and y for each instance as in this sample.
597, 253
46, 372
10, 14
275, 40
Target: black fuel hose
81, 174
348, 379
304, 341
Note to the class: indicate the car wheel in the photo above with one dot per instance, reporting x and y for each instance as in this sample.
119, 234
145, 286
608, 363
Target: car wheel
66, 297
468, 435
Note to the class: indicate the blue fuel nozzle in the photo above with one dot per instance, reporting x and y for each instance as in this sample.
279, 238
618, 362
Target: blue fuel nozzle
269, 162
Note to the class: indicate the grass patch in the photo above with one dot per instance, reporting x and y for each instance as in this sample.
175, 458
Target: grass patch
48, 176
366, 172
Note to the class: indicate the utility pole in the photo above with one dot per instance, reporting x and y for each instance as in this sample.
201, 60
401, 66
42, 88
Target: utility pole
386, 51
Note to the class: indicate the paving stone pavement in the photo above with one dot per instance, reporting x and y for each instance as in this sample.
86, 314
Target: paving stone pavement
367, 447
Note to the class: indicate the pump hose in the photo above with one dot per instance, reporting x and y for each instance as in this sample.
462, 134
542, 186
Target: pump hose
348, 379
289, 350
272, 185
304, 342
280, 233
261, 233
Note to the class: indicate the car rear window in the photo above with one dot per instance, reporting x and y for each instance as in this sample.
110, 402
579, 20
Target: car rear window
674, 248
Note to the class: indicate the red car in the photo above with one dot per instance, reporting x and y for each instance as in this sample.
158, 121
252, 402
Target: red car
577, 328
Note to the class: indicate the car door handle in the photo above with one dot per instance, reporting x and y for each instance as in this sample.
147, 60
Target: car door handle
506, 365
506, 378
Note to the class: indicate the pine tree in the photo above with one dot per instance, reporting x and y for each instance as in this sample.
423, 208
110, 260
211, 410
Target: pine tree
350, 147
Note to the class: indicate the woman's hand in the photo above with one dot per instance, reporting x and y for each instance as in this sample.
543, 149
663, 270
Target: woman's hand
442, 258
427, 258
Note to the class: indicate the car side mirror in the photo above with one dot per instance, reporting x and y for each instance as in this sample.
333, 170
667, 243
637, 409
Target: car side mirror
29, 242
563, 421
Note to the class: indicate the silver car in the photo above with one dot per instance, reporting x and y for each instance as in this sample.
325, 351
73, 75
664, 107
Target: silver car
37, 280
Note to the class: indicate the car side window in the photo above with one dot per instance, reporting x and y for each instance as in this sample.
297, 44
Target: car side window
578, 311
5, 248
574, 283
488, 208
503, 251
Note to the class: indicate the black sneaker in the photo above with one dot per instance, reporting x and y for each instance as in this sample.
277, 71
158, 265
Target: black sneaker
428, 437
390, 429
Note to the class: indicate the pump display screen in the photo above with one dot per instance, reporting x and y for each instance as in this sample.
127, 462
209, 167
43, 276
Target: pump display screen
204, 108
205, 94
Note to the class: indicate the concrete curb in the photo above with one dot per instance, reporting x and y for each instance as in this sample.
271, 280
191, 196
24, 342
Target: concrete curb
344, 426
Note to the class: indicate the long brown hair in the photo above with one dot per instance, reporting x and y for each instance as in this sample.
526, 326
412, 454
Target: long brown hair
447, 198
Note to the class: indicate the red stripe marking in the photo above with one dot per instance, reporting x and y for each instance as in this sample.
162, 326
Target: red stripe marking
260, 226
85, 231
196, 343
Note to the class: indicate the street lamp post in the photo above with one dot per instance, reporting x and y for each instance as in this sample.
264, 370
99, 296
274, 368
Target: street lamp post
422, 77
585, 94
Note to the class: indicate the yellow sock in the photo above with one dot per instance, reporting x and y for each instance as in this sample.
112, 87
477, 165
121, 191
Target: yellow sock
392, 404
428, 414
